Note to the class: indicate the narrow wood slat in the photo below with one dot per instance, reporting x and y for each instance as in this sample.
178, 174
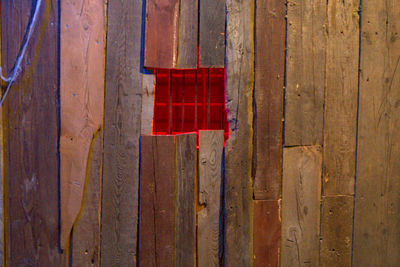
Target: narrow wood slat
212, 34
210, 178
377, 205
148, 84
337, 229
119, 220
267, 233
188, 31
269, 83
301, 194
31, 134
157, 201
82, 100
239, 153
185, 173
341, 97
306, 48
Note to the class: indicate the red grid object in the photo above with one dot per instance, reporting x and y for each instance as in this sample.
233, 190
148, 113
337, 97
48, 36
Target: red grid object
189, 101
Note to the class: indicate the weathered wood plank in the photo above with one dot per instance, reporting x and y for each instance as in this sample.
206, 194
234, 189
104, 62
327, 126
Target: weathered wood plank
337, 229
211, 146
301, 194
148, 85
82, 100
157, 201
185, 173
121, 134
269, 84
267, 233
341, 97
31, 134
306, 45
238, 161
377, 206
212, 34
188, 31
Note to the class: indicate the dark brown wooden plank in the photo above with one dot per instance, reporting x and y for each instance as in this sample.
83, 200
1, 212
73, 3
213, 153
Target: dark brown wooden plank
161, 39
122, 117
212, 33
269, 84
306, 45
188, 31
211, 146
267, 233
341, 97
30, 132
81, 98
157, 201
301, 195
377, 206
239, 153
337, 229
186, 165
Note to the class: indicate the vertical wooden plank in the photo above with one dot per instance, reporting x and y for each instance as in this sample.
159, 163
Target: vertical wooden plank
82, 100
121, 134
269, 83
188, 31
186, 164
337, 229
341, 97
306, 43
267, 233
148, 85
377, 206
212, 34
210, 177
301, 194
239, 147
157, 201
31, 134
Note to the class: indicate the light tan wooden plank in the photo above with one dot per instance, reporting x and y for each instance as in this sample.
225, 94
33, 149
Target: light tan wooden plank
210, 178
301, 194
148, 84
305, 77
377, 205
239, 147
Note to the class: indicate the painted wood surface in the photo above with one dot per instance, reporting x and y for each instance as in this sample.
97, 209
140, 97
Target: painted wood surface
157, 201
212, 34
269, 87
377, 205
81, 98
122, 117
340, 131
305, 76
185, 173
238, 157
188, 31
267, 233
31, 134
336, 232
148, 84
301, 194
210, 179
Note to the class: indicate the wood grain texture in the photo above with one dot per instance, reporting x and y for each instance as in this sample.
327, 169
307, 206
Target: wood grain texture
377, 205
301, 194
337, 229
341, 97
82, 100
185, 173
188, 31
121, 134
305, 76
239, 147
210, 178
267, 233
30, 132
212, 34
148, 84
269, 84
157, 201
86, 231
